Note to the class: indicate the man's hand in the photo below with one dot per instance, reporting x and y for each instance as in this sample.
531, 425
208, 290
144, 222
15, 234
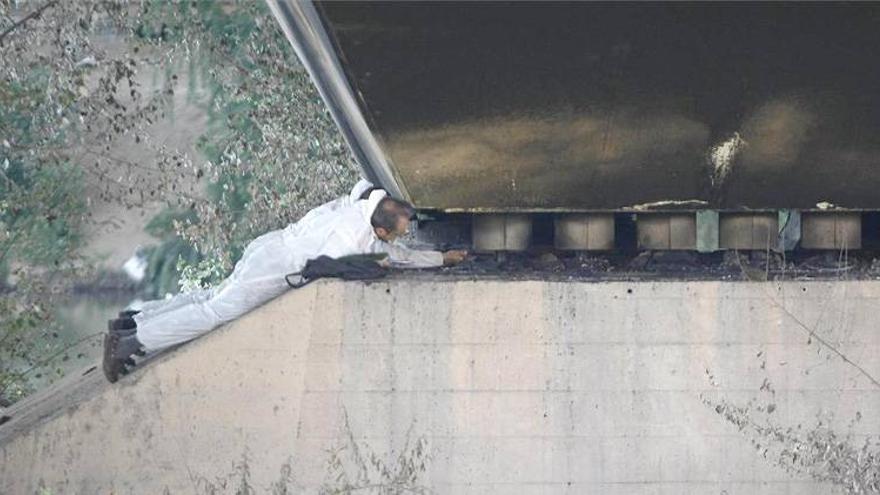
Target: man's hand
454, 257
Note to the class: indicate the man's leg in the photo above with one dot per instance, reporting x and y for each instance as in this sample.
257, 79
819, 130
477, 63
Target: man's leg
163, 305
234, 298
269, 242
257, 278
124, 324
186, 322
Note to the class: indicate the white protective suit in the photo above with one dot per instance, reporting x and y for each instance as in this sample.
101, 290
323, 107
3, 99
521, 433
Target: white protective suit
163, 305
330, 206
341, 230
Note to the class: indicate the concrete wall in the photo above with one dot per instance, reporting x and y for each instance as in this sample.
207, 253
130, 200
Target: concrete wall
472, 387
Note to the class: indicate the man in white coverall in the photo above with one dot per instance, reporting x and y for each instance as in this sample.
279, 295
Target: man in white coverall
343, 227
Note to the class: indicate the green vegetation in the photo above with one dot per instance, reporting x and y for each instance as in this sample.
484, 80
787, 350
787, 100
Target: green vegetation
70, 99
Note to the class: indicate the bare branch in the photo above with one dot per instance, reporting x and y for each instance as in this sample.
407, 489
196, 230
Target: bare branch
33, 15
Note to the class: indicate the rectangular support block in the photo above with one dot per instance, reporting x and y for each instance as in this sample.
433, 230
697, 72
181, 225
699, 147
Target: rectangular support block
501, 232
584, 231
667, 231
749, 231
831, 230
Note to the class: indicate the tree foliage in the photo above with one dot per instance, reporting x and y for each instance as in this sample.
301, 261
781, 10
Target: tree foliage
271, 151
84, 84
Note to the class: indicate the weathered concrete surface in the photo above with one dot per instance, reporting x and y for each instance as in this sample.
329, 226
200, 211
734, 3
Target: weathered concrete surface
511, 387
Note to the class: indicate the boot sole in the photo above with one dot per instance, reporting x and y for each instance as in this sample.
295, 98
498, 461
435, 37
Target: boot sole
121, 325
109, 365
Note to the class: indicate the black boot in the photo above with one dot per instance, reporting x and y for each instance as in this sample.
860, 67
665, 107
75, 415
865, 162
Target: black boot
126, 346
128, 313
122, 325
118, 350
125, 327
112, 367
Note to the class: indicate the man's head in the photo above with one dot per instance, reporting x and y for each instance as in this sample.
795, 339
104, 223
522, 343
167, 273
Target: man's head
391, 218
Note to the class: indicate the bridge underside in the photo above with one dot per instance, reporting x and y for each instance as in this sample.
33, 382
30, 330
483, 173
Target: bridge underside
602, 106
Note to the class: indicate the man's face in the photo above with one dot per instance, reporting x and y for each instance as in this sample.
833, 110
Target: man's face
400, 230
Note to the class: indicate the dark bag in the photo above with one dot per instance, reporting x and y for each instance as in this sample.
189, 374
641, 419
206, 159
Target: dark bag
362, 267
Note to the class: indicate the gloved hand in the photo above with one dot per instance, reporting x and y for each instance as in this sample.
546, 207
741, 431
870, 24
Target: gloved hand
454, 256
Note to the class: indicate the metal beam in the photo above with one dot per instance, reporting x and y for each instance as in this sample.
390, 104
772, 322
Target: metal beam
707, 231
303, 27
789, 229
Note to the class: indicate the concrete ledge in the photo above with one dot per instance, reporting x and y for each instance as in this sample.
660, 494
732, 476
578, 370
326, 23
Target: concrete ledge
470, 387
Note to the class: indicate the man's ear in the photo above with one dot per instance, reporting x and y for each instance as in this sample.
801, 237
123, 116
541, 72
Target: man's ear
381, 232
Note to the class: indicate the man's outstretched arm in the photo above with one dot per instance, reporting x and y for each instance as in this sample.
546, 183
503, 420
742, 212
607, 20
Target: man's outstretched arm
404, 257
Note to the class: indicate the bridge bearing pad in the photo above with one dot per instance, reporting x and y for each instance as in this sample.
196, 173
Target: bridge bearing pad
749, 231
831, 230
584, 231
667, 231
501, 232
